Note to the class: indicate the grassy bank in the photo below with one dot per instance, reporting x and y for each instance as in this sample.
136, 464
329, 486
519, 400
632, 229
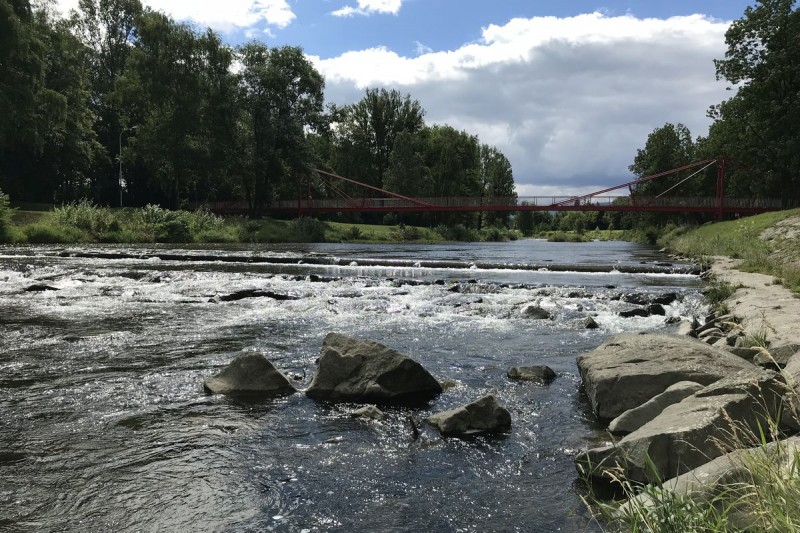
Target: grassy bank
767, 244
83, 222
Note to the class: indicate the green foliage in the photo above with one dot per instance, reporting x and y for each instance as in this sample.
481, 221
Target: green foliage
761, 493
50, 233
86, 216
406, 233
353, 234
760, 124
561, 236
309, 229
5, 218
457, 232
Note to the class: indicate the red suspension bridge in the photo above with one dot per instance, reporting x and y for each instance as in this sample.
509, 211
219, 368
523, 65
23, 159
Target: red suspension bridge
377, 200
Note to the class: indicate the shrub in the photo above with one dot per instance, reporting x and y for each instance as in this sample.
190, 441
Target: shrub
457, 232
5, 218
86, 216
493, 234
309, 229
43, 233
174, 231
353, 234
406, 233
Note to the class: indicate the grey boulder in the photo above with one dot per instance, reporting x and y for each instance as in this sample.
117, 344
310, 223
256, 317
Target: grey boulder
627, 370
368, 411
355, 370
482, 416
633, 419
715, 420
725, 482
539, 373
249, 374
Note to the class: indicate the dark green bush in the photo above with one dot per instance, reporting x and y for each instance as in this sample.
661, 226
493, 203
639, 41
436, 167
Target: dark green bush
309, 229
5, 217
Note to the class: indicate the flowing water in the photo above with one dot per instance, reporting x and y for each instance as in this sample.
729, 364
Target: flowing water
104, 425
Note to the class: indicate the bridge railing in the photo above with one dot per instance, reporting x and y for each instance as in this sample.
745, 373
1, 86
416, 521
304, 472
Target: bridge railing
558, 203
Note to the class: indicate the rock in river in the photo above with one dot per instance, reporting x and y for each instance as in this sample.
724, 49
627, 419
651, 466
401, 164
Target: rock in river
627, 370
539, 373
481, 416
249, 374
355, 370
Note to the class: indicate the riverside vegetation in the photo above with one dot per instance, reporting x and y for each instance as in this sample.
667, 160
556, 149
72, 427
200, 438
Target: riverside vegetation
758, 487
83, 222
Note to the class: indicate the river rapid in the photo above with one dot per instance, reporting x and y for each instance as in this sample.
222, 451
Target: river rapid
104, 425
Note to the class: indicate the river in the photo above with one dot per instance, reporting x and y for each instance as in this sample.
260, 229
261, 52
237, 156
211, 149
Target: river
104, 425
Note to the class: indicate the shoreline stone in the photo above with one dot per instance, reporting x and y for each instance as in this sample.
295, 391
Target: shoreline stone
628, 370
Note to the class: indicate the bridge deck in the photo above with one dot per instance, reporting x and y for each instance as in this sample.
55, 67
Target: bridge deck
530, 203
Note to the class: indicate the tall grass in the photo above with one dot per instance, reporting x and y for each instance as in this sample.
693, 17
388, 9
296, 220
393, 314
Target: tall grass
756, 488
741, 239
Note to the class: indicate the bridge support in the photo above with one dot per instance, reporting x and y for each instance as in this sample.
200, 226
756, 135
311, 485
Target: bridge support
720, 187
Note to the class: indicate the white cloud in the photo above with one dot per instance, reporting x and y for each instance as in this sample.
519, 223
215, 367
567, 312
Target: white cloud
369, 7
568, 100
226, 16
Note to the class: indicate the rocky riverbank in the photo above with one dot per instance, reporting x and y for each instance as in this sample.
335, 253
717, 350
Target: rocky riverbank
685, 406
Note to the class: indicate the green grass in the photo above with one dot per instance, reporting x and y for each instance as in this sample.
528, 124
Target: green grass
760, 492
740, 239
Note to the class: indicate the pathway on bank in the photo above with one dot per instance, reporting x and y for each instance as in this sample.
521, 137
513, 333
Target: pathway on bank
761, 303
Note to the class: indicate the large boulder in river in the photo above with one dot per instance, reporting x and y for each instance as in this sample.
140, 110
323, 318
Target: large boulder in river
627, 370
717, 419
481, 416
355, 370
249, 374
633, 419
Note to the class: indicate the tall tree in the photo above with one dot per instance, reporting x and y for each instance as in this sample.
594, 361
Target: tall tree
667, 148
107, 27
283, 98
369, 129
497, 182
161, 92
760, 125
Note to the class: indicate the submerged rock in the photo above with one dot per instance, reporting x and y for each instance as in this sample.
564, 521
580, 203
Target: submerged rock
367, 372
250, 374
368, 411
711, 422
482, 416
539, 373
40, 287
253, 293
627, 370
535, 312
638, 312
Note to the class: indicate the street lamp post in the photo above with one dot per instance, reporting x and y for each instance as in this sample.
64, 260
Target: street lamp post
120, 160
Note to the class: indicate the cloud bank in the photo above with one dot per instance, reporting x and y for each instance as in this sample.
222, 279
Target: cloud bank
568, 100
369, 7
226, 16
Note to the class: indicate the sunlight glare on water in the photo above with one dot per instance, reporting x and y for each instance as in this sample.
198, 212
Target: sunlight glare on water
104, 424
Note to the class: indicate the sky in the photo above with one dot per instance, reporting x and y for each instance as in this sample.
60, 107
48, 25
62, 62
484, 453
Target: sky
568, 90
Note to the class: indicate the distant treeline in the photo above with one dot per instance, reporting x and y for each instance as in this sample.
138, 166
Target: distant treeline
194, 119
